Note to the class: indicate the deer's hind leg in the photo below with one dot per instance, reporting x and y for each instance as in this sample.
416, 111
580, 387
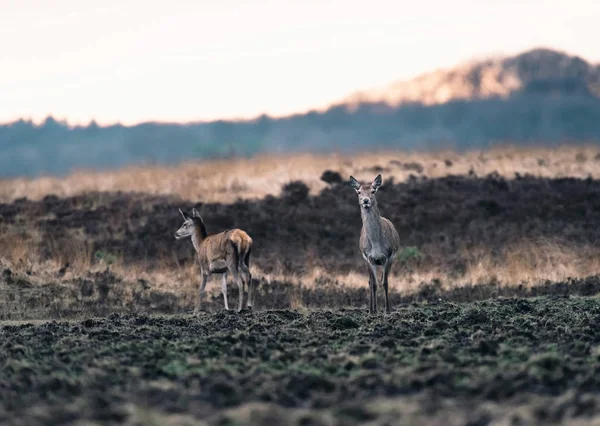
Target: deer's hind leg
234, 270
240, 284
238, 280
247, 278
224, 289
250, 287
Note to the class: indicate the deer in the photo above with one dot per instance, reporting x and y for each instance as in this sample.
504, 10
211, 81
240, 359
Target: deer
227, 252
379, 241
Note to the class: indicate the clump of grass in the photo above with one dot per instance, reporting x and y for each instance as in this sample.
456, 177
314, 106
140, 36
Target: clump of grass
105, 258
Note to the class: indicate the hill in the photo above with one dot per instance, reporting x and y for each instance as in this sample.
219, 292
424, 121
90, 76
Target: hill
540, 96
538, 71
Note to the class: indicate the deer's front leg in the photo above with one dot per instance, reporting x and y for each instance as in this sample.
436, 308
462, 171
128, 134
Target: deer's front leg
372, 287
201, 293
386, 272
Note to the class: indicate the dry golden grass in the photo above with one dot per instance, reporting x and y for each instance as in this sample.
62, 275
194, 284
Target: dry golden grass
527, 263
225, 181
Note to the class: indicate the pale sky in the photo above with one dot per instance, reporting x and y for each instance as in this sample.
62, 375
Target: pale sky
132, 61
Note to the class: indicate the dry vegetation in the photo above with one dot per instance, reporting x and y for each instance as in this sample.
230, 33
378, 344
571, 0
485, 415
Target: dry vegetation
225, 181
64, 243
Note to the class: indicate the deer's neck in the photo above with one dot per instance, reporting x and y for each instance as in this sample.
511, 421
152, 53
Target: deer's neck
371, 219
198, 236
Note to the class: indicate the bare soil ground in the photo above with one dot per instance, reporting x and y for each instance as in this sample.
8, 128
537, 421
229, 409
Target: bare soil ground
505, 361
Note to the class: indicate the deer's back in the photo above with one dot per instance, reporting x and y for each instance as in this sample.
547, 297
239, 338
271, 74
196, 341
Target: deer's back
224, 243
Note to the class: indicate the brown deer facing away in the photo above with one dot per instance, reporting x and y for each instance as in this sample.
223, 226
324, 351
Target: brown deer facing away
222, 253
379, 241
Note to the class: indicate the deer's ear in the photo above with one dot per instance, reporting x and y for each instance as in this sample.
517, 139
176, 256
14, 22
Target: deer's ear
377, 182
184, 215
196, 214
354, 183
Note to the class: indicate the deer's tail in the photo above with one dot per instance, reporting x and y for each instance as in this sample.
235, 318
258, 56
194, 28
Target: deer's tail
242, 244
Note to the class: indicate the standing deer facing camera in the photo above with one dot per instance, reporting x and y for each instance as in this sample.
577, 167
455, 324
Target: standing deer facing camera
379, 241
222, 253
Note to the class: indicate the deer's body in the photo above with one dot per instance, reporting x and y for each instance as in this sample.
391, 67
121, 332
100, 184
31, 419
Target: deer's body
379, 241
226, 253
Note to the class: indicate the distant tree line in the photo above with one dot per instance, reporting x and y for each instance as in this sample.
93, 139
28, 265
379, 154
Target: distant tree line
54, 148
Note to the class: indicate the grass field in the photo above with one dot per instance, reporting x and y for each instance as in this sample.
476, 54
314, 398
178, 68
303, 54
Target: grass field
494, 294
226, 181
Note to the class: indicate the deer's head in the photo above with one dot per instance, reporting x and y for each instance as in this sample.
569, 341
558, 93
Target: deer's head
366, 192
191, 223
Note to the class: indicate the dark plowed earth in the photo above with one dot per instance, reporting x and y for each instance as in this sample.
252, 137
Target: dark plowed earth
518, 361
442, 217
